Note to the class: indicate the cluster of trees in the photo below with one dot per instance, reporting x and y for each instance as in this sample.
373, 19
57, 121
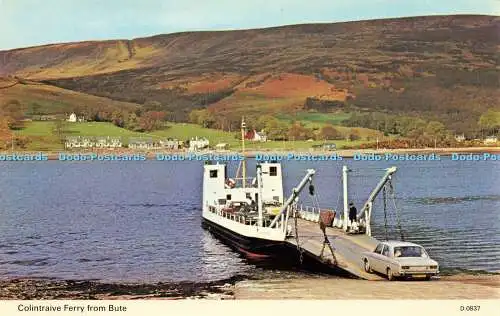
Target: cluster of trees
203, 118
13, 112
275, 129
420, 129
136, 121
279, 130
147, 118
11, 118
489, 122
141, 120
405, 126
5, 133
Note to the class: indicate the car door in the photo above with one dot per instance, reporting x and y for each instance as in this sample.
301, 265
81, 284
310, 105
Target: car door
376, 258
386, 259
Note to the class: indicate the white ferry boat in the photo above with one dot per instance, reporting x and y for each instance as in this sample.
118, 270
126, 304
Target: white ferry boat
249, 213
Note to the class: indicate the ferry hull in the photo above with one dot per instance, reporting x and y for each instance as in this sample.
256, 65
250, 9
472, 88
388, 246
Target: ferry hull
250, 247
268, 253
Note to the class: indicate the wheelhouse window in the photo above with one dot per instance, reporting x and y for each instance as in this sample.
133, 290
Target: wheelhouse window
273, 171
213, 173
222, 202
228, 197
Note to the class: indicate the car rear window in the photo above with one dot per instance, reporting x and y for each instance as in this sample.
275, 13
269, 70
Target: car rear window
409, 251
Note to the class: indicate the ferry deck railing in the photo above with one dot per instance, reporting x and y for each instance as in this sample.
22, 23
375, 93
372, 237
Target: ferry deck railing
253, 220
249, 182
312, 214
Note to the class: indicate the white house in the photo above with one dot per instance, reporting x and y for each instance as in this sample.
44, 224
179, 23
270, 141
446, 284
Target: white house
460, 138
170, 144
79, 142
255, 136
108, 142
72, 118
260, 137
490, 140
142, 143
92, 142
222, 146
198, 143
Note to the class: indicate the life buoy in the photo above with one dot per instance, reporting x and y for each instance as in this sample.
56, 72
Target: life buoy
230, 183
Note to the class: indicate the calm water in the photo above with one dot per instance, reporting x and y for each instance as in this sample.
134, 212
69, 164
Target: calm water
140, 221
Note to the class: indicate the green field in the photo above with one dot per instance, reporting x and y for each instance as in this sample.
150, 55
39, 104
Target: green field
43, 136
185, 131
76, 129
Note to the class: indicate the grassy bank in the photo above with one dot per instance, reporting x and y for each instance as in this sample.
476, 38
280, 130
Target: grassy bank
43, 136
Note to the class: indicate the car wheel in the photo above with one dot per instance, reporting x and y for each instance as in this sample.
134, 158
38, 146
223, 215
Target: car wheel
390, 276
367, 266
428, 277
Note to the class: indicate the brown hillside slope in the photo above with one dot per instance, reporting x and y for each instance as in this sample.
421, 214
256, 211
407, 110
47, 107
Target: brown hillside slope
441, 66
54, 100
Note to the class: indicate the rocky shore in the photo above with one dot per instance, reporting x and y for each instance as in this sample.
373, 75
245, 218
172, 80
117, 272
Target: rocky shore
43, 289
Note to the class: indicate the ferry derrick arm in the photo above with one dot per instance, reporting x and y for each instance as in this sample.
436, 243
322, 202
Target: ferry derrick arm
295, 193
366, 210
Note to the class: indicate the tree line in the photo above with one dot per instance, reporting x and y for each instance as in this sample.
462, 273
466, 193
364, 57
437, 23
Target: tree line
418, 128
274, 128
411, 127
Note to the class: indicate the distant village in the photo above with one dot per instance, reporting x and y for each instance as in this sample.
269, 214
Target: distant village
148, 143
142, 143
488, 140
192, 144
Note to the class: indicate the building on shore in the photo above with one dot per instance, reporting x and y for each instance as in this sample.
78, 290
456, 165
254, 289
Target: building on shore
460, 138
79, 142
196, 144
92, 142
255, 136
108, 142
490, 140
170, 144
325, 147
222, 146
142, 143
73, 118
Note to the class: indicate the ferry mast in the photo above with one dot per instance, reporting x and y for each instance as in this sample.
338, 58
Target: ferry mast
243, 162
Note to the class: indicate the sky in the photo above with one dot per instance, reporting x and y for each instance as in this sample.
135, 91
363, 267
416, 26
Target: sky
35, 22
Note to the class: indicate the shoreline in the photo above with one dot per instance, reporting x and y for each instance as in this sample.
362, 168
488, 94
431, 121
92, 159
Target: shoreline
447, 287
459, 286
345, 153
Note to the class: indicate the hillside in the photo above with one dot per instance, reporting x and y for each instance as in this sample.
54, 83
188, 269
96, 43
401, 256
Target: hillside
439, 67
39, 98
